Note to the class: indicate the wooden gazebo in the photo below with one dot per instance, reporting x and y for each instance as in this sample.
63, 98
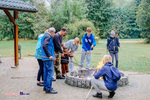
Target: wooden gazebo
15, 6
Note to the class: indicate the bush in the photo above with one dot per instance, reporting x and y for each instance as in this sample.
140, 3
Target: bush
78, 29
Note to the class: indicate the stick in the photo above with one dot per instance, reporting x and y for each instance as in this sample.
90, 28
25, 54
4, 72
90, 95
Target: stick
51, 59
91, 53
89, 93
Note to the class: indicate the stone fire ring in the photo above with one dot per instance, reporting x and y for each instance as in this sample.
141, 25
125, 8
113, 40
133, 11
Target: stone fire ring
75, 78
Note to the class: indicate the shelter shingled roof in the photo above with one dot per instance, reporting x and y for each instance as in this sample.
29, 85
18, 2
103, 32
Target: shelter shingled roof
18, 5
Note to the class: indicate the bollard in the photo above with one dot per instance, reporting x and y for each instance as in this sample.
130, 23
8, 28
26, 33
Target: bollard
0, 59
19, 51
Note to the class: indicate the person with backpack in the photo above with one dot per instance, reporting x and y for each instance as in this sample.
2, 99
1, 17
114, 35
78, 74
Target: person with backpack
110, 76
112, 46
88, 41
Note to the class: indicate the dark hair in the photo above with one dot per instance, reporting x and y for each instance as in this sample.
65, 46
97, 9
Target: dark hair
64, 29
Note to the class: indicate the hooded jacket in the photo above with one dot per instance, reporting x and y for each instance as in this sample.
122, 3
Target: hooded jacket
105, 71
86, 46
38, 47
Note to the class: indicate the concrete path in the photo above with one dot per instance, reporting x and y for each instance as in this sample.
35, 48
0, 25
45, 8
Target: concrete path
23, 79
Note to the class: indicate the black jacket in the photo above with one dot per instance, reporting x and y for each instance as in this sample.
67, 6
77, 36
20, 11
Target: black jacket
113, 44
66, 59
57, 40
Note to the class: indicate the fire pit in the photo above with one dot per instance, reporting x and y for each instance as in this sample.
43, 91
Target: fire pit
81, 78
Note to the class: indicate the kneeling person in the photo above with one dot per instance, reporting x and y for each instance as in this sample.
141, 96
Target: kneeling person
107, 83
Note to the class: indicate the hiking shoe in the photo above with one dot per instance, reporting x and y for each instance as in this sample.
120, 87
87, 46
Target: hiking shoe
51, 91
98, 95
111, 94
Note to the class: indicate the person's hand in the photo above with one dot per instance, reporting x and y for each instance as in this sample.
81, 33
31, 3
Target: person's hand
50, 57
120, 46
107, 50
92, 46
88, 52
63, 45
69, 50
62, 55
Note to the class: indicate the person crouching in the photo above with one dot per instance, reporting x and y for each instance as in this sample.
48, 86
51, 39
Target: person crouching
107, 83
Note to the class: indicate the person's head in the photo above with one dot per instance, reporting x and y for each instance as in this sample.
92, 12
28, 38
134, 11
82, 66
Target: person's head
51, 31
106, 59
77, 41
88, 30
112, 33
64, 48
63, 31
46, 31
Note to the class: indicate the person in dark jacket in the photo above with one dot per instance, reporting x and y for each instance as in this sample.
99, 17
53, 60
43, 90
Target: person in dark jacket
57, 40
47, 50
107, 83
112, 47
65, 61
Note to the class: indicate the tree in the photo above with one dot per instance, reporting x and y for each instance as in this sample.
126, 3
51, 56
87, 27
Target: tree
143, 19
99, 12
66, 11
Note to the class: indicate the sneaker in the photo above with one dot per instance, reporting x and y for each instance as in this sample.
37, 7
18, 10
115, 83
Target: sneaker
111, 94
54, 80
60, 77
98, 95
40, 84
63, 76
51, 91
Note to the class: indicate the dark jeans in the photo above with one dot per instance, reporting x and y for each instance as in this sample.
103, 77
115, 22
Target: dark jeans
40, 72
112, 53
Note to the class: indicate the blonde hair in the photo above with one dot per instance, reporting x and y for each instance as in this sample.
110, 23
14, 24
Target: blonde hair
78, 41
106, 59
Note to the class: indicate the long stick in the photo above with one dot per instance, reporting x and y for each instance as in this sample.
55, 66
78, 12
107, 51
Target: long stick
91, 53
89, 93
48, 57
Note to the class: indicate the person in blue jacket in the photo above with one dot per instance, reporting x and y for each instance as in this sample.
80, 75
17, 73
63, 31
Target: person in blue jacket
112, 46
47, 50
39, 59
88, 41
106, 83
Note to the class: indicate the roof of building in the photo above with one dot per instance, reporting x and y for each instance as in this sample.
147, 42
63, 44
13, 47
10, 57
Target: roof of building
18, 5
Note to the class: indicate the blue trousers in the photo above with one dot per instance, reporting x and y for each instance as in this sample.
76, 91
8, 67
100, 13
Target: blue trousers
48, 74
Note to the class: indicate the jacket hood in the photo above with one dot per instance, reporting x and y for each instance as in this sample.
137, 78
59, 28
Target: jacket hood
109, 64
40, 36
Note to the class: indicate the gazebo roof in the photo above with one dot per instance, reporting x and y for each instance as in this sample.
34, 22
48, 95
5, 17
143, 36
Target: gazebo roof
18, 5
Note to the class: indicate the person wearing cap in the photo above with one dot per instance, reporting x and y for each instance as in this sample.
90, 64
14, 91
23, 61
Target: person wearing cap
112, 46
72, 46
57, 40
47, 50
89, 43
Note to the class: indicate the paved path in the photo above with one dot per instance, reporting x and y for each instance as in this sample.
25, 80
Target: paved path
23, 79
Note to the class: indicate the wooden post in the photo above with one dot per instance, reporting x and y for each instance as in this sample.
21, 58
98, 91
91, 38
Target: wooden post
16, 38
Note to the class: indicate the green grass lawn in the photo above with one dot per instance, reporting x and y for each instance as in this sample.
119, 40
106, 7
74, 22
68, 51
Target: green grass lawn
132, 57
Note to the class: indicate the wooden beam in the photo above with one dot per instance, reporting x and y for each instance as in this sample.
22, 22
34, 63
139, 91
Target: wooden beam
9, 16
16, 38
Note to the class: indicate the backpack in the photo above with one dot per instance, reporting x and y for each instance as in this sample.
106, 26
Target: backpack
115, 73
